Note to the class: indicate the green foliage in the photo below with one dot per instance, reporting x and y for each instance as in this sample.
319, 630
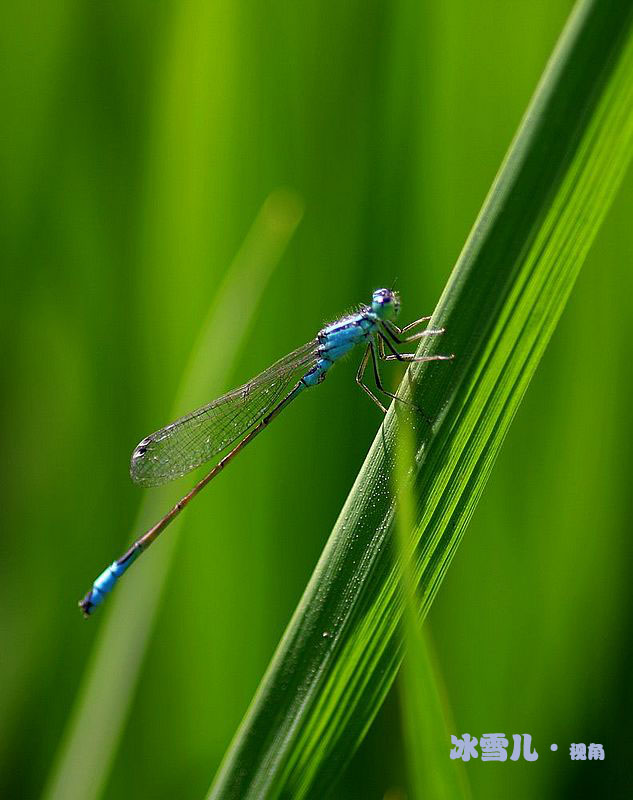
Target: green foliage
139, 143
343, 647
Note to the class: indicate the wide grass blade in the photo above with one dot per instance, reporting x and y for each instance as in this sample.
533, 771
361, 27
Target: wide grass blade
104, 698
343, 646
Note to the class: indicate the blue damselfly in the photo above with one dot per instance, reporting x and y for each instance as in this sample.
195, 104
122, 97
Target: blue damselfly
195, 438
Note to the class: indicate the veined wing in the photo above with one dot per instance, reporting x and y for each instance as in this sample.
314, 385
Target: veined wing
195, 438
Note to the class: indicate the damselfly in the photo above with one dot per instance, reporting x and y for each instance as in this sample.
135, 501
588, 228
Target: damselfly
195, 438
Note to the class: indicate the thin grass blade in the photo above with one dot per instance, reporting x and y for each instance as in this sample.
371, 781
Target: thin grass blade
427, 721
104, 697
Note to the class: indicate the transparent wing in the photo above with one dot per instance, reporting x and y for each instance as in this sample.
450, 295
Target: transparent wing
195, 438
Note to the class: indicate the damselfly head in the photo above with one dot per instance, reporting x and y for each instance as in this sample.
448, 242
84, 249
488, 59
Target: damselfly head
385, 303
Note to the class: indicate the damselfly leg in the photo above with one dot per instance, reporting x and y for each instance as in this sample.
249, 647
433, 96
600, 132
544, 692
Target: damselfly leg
360, 375
370, 352
407, 357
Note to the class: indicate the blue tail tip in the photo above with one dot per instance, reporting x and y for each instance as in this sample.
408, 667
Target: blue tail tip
87, 605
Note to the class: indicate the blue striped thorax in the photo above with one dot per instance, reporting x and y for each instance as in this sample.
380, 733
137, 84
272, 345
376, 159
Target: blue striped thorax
338, 338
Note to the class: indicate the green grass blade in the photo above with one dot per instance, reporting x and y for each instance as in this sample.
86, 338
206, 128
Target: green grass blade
104, 698
342, 648
427, 722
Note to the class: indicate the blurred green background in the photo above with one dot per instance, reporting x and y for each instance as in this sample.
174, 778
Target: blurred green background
139, 141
